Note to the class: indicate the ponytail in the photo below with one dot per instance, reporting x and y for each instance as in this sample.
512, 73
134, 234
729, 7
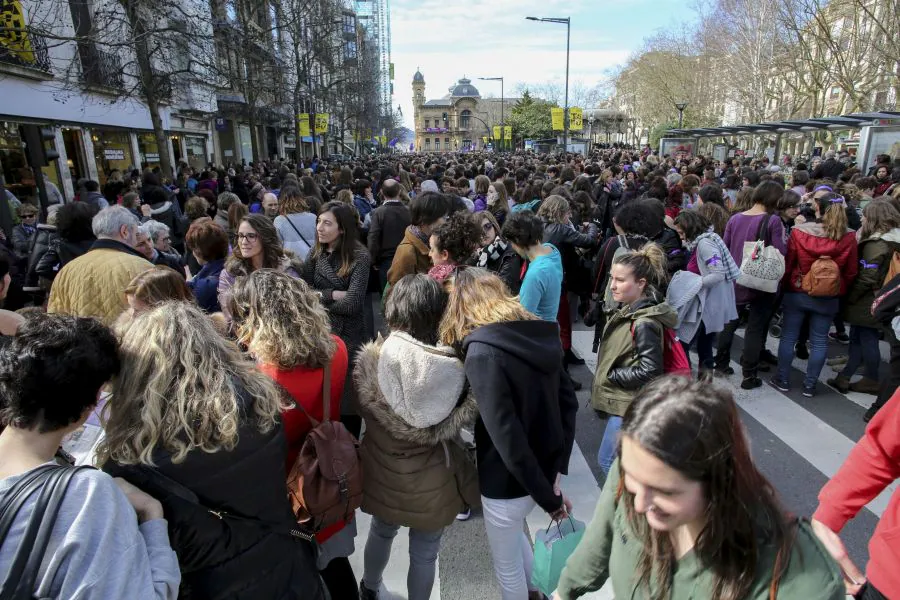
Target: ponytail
647, 263
833, 215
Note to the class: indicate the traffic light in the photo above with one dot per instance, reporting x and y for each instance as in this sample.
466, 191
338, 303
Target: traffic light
36, 149
445, 117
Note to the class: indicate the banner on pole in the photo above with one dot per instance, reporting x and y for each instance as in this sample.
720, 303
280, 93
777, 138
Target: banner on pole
507, 132
484, 139
496, 132
576, 119
321, 122
557, 119
303, 118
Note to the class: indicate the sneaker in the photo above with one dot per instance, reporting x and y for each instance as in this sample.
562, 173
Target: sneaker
724, 371
381, 593
871, 412
841, 338
572, 358
837, 360
464, 515
751, 383
779, 385
801, 351
809, 391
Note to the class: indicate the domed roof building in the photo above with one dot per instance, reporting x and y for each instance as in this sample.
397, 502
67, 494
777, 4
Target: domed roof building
459, 121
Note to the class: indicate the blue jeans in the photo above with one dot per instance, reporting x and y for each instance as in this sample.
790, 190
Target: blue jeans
424, 547
610, 443
863, 350
820, 312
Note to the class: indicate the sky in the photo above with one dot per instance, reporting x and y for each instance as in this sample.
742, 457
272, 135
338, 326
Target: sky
492, 38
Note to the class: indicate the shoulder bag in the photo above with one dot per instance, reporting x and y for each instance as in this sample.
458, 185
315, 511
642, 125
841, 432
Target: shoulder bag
762, 266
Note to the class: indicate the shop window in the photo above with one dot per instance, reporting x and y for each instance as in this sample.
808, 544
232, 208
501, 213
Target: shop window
112, 150
149, 150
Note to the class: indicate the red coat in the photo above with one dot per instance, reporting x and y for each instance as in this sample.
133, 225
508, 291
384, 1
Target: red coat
305, 386
807, 244
873, 464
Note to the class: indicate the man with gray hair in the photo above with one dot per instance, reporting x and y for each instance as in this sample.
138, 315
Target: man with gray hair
223, 203
93, 284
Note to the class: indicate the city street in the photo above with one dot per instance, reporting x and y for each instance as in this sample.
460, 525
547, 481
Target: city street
797, 442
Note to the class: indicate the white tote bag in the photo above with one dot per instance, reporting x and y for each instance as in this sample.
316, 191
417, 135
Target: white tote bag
762, 265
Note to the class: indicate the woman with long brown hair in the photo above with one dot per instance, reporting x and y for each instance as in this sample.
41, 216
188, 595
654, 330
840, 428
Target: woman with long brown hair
686, 514
258, 247
338, 268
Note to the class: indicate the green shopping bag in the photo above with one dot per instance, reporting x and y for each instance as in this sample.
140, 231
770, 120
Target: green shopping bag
552, 548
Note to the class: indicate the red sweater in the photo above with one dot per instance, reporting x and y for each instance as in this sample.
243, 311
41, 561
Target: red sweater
305, 386
873, 464
807, 244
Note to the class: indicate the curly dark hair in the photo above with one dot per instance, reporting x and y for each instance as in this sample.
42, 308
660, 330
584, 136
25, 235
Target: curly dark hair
73, 221
638, 218
52, 370
459, 236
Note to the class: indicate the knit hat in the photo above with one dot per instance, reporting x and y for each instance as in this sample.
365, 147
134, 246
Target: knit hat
430, 185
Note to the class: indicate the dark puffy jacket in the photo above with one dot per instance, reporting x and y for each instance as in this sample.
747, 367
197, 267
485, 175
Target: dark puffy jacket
43, 238
566, 238
526, 423
505, 263
165, 209
205, 286
59, 254
173, 261
249, 553
676, 256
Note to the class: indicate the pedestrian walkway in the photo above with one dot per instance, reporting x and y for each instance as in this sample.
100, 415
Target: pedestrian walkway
797, 442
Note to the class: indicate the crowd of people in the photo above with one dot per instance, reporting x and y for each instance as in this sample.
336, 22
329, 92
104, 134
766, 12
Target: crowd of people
421, 309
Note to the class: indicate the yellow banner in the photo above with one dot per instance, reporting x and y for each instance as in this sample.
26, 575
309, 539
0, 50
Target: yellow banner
303, 118
576, 119
13, 34
321, 122
556, 118
507, 132
383, 140
496, 132
484, 139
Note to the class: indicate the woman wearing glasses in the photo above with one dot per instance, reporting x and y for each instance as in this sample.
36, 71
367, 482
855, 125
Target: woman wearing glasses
258, 247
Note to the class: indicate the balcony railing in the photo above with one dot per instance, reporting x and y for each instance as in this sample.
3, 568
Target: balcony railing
100, 68
29, 51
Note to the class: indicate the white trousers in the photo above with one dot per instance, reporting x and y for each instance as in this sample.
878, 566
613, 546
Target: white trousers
511, 551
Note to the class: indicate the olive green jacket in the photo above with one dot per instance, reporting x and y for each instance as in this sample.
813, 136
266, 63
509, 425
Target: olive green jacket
611, 550
617, 351
875, 254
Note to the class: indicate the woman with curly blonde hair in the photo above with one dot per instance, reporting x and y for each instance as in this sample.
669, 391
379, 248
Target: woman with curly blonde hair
197, 426
283, 325
526, 423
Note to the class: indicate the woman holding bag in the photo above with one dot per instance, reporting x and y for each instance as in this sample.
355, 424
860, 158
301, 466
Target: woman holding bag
284, 327
757, 223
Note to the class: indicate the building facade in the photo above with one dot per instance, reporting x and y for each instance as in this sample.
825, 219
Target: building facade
461, 120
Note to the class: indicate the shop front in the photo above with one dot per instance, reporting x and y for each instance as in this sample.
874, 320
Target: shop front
18, 176
112, 151
149, 150
190, 149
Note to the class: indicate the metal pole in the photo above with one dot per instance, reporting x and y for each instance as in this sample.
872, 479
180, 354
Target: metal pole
502, 121
680, 117
566, 112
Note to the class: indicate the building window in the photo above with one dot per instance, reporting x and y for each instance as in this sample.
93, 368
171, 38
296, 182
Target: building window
465, 118
427, 123
447, 143
428, 143
437, 143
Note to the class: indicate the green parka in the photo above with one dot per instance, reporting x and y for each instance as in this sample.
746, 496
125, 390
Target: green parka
875, 255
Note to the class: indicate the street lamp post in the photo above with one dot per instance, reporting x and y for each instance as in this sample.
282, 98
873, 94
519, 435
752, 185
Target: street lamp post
568, 23
680, 106
502, 103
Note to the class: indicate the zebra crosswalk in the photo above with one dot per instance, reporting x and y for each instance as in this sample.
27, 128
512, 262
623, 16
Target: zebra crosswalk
797, 442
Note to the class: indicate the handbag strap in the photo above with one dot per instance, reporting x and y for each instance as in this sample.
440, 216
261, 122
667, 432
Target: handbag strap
763, 234
326, 391
51, 482
291, 223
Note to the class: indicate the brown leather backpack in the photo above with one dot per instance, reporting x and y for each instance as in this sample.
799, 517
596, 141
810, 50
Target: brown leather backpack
325, 483
823, 278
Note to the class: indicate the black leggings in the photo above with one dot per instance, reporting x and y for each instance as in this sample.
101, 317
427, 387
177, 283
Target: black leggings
340, 580
868, 592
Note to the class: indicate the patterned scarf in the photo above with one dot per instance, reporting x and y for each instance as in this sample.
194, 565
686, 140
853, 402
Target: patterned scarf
493, 251
732, 271
418, 233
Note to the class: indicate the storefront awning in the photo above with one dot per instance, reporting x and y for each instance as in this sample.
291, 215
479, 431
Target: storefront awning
851, 121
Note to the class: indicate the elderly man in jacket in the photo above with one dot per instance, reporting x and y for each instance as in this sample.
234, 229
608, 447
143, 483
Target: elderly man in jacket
93, 284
